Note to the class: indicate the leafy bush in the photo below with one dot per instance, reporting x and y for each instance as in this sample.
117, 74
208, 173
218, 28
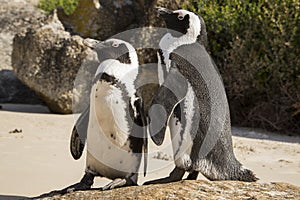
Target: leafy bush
49, 5
256, 45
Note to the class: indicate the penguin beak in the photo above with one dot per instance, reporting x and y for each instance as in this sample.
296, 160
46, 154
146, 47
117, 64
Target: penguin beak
93, 43
163, 11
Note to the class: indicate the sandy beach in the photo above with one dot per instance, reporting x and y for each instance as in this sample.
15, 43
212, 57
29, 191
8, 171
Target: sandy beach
35, 156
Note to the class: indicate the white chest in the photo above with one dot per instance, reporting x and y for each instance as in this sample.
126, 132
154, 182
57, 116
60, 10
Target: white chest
108, 132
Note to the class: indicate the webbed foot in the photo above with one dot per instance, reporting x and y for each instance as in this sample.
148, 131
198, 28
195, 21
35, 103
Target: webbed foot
192, 176
85, 183
175, 175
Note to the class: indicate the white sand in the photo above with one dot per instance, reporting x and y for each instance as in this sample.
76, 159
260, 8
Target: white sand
38, 159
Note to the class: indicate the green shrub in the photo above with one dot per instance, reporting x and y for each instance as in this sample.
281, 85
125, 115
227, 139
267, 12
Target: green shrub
49, 5
256, 45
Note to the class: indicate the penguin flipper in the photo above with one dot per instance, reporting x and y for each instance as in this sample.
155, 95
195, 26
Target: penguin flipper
76, 146
163, 103
79, 134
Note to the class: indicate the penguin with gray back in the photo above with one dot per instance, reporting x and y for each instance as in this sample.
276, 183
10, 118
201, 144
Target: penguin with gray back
113, 122
192, 102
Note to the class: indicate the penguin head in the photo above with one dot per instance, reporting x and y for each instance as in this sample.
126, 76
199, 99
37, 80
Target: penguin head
113, 48
183, 22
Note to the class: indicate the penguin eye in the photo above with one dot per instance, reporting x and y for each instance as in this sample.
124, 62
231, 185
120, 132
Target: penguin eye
114, 44
180, 17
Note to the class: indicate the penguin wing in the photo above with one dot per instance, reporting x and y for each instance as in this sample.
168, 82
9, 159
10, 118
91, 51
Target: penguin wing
194, 63
164, 101
79, 134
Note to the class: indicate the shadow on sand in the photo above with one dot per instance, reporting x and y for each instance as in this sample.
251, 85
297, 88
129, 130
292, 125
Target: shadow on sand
264, 135
25, 108
10, 197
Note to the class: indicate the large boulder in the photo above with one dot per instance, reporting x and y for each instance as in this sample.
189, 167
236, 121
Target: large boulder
101, 19
47, 58
192, 190
14, 16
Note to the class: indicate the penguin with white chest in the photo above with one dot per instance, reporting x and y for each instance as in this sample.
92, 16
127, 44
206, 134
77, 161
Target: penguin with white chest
193, 103
113, 123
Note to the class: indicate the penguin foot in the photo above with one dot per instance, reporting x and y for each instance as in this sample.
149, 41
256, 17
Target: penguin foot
118, 183
192, 176
85, 183
72, 188
175, 175
114, 184
77, 187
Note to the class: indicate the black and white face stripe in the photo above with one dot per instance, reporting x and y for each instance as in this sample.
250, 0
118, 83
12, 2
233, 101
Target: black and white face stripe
107, 78
112, 49
117, 58
182, 22
184, 28
179, 23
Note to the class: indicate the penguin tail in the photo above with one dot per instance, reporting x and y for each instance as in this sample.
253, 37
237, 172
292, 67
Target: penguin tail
246, 175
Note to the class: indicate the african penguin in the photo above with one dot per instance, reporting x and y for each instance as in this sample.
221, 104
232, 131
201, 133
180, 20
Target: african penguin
193, 104
113, 123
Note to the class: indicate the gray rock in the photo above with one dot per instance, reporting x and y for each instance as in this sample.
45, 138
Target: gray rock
14, 16
47, 58
192, 190
104, 18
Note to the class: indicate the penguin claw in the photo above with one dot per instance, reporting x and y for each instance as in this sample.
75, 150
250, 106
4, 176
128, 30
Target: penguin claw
115, 184
71, 188
77, 187
119, 183
175, 175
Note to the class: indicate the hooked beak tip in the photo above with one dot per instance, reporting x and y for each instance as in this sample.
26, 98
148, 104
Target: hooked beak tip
92, 43
163, 11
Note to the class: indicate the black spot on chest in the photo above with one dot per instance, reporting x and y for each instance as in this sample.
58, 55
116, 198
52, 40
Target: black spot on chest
113, 136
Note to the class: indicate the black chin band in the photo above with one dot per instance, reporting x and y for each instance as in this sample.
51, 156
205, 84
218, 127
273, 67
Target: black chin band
125, 58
